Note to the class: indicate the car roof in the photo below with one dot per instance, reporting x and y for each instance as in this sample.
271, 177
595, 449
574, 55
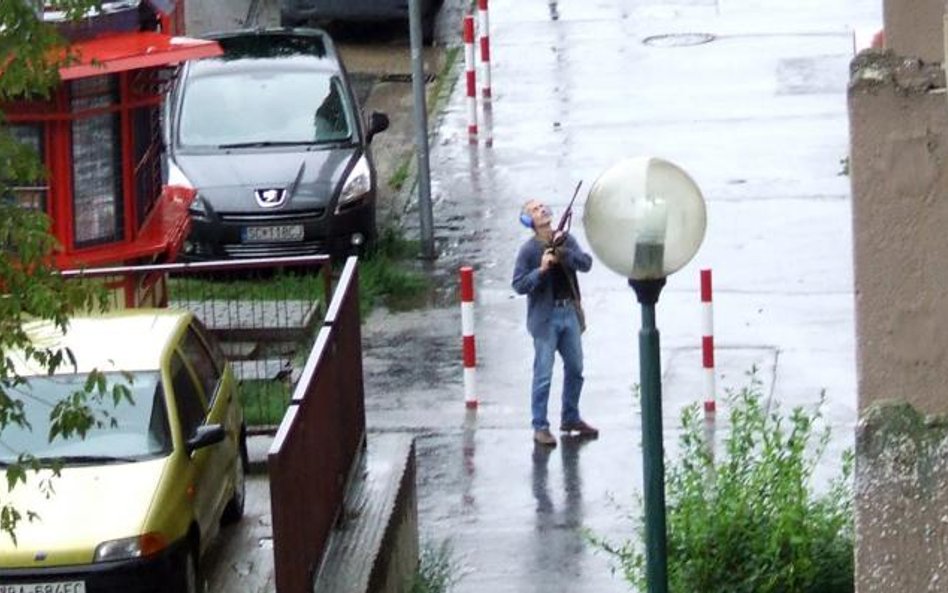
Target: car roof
312, 47
127, 340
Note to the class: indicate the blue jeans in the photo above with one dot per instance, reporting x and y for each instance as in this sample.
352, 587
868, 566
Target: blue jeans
563, 336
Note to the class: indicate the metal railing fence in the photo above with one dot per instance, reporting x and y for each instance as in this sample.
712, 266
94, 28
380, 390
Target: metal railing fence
319, 442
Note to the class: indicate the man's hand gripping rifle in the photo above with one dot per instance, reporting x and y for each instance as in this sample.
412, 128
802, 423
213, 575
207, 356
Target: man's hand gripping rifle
565, 223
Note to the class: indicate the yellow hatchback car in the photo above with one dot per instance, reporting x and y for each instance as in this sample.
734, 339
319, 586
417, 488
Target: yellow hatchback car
138, 500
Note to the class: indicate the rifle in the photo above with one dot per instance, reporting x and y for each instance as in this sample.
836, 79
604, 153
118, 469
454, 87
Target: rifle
566, 221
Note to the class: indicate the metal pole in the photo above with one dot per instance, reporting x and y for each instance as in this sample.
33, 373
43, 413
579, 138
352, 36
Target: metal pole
656, 552
421, 130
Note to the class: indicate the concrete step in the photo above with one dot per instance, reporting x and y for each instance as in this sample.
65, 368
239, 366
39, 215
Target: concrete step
374, 547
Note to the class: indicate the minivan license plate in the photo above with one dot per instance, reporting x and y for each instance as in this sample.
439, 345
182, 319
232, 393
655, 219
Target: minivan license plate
275, 233
60, 587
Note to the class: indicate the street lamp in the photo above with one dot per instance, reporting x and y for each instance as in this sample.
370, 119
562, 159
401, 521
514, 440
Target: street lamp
645, 219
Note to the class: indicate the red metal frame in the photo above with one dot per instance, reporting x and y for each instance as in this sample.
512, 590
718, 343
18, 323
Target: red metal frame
140, 64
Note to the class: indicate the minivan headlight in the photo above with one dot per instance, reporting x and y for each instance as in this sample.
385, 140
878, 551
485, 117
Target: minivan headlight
130, 547
357, 184
198, 207
177, 177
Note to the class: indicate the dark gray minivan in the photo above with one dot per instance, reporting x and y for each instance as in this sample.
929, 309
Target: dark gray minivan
274, 141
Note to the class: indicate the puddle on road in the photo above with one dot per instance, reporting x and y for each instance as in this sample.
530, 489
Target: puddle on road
432, 297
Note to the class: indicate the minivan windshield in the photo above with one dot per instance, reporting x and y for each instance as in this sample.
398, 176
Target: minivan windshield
130, 430
262, 107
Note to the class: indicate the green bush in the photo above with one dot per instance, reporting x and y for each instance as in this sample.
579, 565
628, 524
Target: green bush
749, 520
437, 569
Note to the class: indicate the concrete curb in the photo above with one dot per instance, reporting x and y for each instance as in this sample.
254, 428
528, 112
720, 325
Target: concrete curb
258, 447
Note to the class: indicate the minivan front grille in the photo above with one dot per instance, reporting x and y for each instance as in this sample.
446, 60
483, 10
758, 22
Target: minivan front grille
274, 249
257, 217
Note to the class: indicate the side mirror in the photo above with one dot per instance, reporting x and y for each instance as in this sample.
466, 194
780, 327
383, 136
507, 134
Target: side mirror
378, 122
205, 436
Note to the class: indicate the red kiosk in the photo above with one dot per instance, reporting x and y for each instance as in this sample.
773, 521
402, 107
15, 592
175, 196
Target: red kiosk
99, 134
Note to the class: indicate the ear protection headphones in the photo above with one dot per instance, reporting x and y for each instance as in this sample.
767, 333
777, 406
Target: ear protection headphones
526, 220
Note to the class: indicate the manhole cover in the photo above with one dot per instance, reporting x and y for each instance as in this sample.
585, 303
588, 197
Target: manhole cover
678, 39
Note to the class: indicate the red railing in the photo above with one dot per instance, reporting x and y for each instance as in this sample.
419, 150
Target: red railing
264, 312
318, 442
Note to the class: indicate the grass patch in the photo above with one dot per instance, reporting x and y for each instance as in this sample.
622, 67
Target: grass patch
264, 401
445, 82
437, 570
276, 286
400, 176
384, 276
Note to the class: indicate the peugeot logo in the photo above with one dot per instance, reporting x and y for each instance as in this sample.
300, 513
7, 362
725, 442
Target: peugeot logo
270, 198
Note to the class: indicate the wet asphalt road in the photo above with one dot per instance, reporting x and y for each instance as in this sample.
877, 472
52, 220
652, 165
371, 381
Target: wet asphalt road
748, 97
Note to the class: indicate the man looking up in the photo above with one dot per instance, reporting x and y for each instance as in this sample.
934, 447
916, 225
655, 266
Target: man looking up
545, 271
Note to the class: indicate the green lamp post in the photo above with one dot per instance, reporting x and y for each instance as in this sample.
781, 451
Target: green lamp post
645, 219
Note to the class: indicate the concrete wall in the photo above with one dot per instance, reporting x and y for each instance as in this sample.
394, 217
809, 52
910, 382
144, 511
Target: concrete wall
899, 152
899, 172
913, 28
901, 501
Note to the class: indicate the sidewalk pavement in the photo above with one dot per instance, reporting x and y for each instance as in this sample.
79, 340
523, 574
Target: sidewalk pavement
756, 114
748, 97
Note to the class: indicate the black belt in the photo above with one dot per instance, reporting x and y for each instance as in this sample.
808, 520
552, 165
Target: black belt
562, 302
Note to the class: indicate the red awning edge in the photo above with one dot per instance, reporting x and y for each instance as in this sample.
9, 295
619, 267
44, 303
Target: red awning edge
120, 52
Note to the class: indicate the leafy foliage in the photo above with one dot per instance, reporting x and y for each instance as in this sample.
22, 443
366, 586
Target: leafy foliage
750, 521
32, 51
30, 55
437, 571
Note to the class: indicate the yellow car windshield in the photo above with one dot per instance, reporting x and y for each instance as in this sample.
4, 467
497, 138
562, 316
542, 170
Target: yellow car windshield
120, 431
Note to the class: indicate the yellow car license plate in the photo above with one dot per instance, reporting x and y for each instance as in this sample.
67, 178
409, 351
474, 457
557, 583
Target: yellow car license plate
58, 587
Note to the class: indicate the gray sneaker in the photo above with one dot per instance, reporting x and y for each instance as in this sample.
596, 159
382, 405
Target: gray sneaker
544, 437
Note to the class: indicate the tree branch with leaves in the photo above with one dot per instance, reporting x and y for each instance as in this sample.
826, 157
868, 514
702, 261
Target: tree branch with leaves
31, 289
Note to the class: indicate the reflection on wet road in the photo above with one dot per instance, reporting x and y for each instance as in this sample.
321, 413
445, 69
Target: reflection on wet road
559, 507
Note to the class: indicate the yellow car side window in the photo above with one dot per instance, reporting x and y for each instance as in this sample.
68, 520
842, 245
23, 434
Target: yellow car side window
199, 357
187, 397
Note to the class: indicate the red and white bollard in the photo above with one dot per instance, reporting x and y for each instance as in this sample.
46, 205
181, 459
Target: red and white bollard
483, 31
707, 343
468, 351
471, 78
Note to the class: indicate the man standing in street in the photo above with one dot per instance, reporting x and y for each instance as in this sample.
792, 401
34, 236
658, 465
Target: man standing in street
545, 271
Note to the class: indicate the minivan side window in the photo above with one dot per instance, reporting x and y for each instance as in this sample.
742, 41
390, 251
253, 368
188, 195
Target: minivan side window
187, 397
197, 354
